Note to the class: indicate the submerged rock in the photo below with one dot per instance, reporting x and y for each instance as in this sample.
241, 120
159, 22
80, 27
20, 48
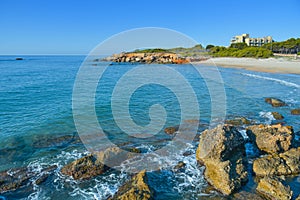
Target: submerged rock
222, 151
271, 138
286, 163
275, 102
179, 167
135, 189
20, 177
295, 111
272, 188
277, 116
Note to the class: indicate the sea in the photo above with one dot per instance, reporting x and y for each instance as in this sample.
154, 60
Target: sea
37, 121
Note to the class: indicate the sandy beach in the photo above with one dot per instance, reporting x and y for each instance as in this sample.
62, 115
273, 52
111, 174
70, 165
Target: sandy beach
272, 65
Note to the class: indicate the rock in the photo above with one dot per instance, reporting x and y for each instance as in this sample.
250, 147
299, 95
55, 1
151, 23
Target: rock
20, 177
272, 188
295, 111
271, 138
275, 102
298, 198
135, 189
277, 116
180, 166
246, 195
222, 151
84, 168
19, 58
286, 163
171, 130
90, 166
238, 121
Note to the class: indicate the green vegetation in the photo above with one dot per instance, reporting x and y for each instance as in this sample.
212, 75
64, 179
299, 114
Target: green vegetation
209, 46
158, 50
290, 46
239, 45
252, 52
196, 51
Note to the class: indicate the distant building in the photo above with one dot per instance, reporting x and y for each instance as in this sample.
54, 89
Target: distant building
257, 42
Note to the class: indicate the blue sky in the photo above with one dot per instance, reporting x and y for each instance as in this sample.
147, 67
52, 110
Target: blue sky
76, 27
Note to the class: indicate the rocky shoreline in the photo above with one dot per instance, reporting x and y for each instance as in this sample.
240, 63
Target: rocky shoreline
221, 150
147, 58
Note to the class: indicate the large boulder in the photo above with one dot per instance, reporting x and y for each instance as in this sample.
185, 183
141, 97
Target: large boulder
273, 188
222, 151
271, 138
286, 163
135, 189
275, 102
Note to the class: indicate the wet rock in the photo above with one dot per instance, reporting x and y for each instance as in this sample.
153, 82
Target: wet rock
180, 166
93, 165
238, 121
20, 177
84, 168
135, 189
171, 130
275, 102
271, 138
286, 163
277, 116
41, 179
19, 58
222, 151
14, 179
247, 195
273, 188
295, 111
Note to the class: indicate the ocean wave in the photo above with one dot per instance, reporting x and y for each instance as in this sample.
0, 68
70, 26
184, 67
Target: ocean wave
282, 82
268, 116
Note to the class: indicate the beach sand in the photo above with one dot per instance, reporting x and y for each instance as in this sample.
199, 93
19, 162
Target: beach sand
272, 65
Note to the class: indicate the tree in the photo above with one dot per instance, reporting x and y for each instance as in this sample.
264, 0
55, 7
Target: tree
209, 46
240, 45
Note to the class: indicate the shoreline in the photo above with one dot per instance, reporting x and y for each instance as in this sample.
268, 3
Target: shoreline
270, 65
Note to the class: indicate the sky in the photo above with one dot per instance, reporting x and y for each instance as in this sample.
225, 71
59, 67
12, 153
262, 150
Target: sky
76, 27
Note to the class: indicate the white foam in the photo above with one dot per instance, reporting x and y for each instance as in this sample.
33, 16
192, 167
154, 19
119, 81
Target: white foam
244, 134
268, 116
286, 83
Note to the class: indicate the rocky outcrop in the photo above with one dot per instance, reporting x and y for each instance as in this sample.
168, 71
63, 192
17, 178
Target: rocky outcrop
277, 116
271, 138
94, 165
222, 152
286, 163
247, 195
238, 121
84, 168
272, 188
275, 102
295, 111
135, 189
161, 58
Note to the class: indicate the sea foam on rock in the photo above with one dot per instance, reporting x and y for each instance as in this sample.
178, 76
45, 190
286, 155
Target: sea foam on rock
222, 151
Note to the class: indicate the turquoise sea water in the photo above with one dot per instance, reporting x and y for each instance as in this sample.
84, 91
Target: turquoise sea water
37, 127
